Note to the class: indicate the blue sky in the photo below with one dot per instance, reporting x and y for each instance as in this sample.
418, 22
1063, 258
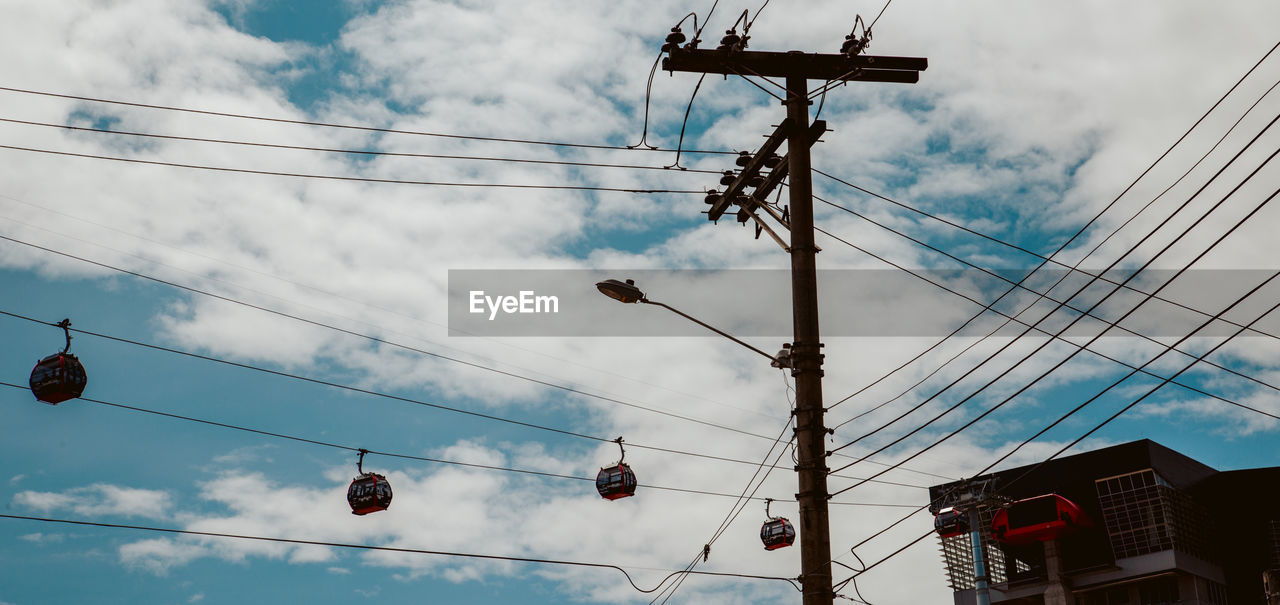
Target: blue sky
1029, 120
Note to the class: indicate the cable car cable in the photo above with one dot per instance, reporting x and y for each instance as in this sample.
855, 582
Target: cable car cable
389, 454
1097, 216
351, 126
389, 343
1088, 433
1199, 256
1109, 323
404, 399
356, 179
393, 549
1011, 318
355, 151
321, 291
1063, 303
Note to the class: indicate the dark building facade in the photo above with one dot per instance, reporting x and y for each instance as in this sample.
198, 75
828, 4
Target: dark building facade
1162, 529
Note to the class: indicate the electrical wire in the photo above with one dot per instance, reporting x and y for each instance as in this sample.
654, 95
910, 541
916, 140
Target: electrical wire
355, 179
1045, 259
362, 152
1045, 294
373, 393
1010, 319
1201, 255
1085, 313
370, 547
389, 454
391, 344
344, 126
1075, 442
1149, 296
1111, 204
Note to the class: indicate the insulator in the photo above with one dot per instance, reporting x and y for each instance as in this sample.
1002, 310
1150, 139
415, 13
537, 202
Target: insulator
674, 39
744, 158
713, 196
730, 40
772, 161
727, 177
743, 216
745, 201
755, 180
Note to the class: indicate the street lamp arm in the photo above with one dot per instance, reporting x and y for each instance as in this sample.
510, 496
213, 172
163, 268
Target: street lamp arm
771, 358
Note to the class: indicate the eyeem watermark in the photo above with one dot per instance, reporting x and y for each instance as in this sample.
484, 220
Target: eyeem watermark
527, 301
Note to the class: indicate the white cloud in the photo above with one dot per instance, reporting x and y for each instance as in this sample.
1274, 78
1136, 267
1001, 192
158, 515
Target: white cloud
100, 499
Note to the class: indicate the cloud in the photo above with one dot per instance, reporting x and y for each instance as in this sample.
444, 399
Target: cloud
100, 499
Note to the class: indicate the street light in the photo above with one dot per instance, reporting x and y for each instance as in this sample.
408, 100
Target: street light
627, 292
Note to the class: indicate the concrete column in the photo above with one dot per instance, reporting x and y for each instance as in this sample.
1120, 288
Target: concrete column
1057, 593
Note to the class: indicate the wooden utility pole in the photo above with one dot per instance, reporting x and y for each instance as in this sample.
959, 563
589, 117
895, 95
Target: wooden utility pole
806, 351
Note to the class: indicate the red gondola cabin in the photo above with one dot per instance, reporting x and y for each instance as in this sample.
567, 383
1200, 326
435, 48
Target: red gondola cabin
777, 533
615, 482
1037, 519
950, 523
369, 493
57, 378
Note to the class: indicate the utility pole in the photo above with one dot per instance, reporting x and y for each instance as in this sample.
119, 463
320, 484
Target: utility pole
797, 68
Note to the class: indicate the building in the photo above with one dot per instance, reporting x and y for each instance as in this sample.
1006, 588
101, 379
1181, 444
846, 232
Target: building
1160, 528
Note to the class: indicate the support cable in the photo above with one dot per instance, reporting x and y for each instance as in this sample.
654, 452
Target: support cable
1097, 216
1185, 268
1109, 323
362, 152
399, 398
355, 179
1129, 406
348, 126
418, 551
1011, 318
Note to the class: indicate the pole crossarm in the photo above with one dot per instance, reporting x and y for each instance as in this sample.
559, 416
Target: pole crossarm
811, 66
753, 167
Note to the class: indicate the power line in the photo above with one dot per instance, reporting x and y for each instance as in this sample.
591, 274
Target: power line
357, 179
355, 151
1076, 409
1097, 216
1103, 299
348, 126
989, 306
418, 551
388, 454
388, 343
1110, 324
400, 398
1010, 319
1047, 259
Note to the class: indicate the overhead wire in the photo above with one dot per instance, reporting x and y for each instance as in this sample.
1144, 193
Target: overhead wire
1114, 200
1010, 319
320, 291
1110, 324
390, 343
1148, 296
370, 547
409, 400
1133, 275
334, 150
354, 179
391, 454
355, 127
988, 306
1071, 412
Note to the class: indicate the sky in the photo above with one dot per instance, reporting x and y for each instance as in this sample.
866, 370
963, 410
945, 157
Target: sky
316, 312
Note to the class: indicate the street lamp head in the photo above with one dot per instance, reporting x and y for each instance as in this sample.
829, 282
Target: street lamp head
626, 292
